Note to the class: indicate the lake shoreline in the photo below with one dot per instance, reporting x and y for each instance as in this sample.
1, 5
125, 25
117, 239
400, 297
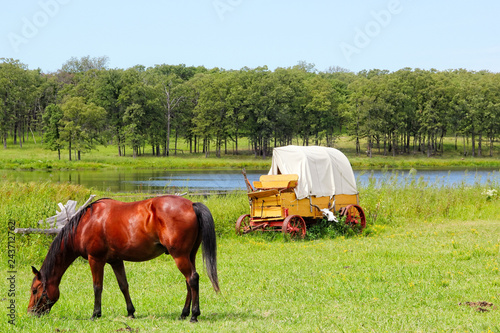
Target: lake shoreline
229, 180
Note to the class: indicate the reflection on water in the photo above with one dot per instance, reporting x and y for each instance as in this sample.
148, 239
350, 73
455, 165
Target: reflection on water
164, 181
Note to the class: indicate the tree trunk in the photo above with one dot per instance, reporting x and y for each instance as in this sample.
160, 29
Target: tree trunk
393, 145
429, 144
473, 141
236, 144
369, 147
385, 144
358, 148
465, 147
175, 143
69, 148
21, 136
479, 145
167, 148
491, 145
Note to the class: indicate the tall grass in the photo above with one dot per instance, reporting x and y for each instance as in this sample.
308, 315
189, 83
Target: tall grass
26, 204
404, 200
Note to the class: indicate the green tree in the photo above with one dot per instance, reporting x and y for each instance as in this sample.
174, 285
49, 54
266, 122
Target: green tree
51, 120
134, 127
18, 92
108, 88
84, 64
212, 111
81, 123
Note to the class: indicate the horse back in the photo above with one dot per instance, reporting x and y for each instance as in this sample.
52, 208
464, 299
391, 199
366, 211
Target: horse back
137, 231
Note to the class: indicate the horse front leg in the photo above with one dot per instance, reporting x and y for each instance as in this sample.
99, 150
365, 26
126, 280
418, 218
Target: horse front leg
97, 269
121, 277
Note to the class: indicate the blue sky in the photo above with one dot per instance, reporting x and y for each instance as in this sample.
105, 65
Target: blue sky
231, 34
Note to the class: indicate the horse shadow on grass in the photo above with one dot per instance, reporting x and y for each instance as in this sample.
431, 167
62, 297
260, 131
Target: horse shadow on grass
209, 317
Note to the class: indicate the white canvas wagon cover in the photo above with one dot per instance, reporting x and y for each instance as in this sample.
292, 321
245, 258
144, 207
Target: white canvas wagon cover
322, 171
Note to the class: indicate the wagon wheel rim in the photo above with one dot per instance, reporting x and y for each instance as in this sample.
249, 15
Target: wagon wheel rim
243, 224
354, 217
295, 226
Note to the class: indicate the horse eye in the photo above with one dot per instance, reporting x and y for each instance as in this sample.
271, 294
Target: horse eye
35, 291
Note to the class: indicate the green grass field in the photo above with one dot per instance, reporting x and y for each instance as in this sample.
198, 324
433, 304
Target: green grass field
413, 279
429, 262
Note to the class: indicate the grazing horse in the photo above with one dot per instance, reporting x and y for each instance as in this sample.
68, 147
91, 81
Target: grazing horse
109, 231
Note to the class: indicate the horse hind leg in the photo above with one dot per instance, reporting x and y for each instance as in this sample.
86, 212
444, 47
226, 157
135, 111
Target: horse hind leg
192, 283
187, 305
121, 277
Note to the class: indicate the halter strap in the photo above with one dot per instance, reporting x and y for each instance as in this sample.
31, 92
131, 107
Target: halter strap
44, 295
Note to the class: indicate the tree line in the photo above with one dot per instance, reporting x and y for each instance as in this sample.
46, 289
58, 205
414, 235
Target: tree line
148, 110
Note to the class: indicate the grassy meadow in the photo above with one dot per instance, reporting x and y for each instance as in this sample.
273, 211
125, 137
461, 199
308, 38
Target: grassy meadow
427, 262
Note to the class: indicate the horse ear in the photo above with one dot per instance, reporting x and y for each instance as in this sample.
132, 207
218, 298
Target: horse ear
36, 272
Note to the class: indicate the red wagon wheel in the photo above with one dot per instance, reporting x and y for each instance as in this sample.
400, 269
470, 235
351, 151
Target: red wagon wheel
295, 226
355, 216
243, 224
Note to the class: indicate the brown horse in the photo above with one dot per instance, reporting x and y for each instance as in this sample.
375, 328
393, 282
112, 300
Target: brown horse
109, 231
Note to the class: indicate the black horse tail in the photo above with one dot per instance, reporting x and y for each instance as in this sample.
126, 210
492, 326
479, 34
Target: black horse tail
208, 241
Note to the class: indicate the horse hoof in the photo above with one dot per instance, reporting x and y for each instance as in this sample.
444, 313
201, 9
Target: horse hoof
95, 316
131, 316
182, 317
194, 320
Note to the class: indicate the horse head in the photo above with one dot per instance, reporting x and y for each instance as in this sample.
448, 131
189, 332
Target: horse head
43, 297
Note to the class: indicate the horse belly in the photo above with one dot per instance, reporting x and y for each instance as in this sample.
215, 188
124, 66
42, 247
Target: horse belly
137, 251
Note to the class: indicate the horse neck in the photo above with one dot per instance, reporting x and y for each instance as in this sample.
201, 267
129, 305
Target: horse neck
56, 263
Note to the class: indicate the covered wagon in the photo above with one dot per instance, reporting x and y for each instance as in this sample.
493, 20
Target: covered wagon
304, 185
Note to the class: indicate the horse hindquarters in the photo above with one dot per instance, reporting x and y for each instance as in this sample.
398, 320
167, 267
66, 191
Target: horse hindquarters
187, 263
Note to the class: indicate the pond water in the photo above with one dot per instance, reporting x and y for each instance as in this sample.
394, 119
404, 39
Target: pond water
165, 181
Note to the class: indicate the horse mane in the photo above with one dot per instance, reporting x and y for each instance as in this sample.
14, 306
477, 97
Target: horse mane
62, 240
